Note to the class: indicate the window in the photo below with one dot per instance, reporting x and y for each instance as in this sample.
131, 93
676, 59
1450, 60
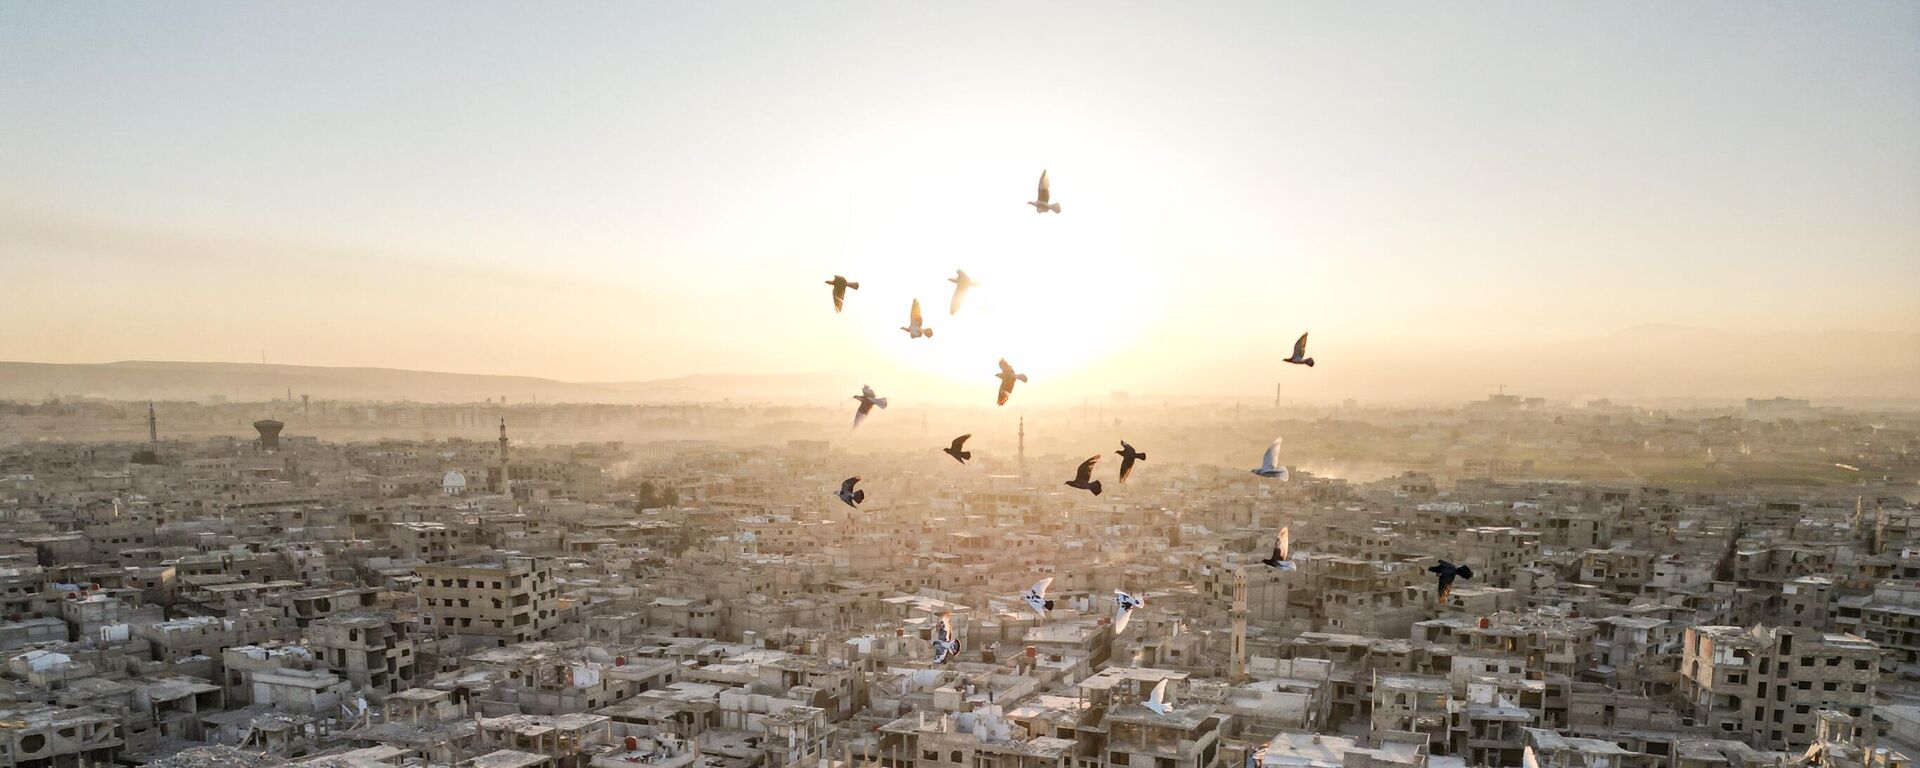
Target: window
1119, 758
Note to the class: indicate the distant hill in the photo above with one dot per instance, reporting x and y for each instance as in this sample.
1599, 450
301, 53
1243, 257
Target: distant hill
143, 380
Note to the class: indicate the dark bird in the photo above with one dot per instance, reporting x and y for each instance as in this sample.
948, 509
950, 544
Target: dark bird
867, 402
960, 285
848, 494
955, 449
1083, 479
1282, 551
944, 644
1044, 203
840, 286
913, 327
1007, 378
1447, 571
1127, 457
1300, 353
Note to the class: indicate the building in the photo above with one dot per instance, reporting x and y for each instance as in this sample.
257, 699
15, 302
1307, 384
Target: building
1764, 685
504, 602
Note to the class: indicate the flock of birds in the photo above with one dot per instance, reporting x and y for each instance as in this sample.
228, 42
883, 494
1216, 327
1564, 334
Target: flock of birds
945, 643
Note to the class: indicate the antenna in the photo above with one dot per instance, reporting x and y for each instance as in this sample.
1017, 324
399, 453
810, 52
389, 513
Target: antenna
1501, 387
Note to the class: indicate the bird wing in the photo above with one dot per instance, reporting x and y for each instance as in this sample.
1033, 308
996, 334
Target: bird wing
1120, 617
944, 630
1300, 347
1085, 472
839, 297
1272, 458
1126, 468
846, 486
1045, 188
1529, 760
960, 441
866, 390
1040, 587
1283, 544
1446, 585
1159, 695
916, 312
1005, 368
860, 414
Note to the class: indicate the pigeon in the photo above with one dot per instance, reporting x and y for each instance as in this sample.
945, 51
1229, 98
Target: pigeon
1528, 759
960, 285
913, 328
944, 645
867, 402
848, 494
1043, 204
1007, 378
954, 450
1157, 700
1268, 465
1447, 571
1036, 596
840, 286
1282, 551
1083, 479
1300, 353
1123, 607
1127, 457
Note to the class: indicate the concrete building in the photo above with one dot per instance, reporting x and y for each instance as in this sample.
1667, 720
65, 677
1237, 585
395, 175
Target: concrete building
1763, 685
502, 602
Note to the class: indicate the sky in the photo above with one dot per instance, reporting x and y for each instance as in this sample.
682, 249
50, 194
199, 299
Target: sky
621, 191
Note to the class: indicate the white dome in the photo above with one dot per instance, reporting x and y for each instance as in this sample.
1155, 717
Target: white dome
453, 482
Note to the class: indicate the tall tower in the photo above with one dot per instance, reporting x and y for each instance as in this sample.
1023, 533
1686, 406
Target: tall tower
269, 434
1276, 395
1023, 449
153, 424
506, 482
1238, 673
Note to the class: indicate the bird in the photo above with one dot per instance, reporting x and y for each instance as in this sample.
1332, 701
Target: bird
954, 450
944, 645
1127, 457
1083, 479
867, 402
960, 285
1447, 571
1300, 353
1269, 463
1282, 551
913, 327
1007, 378
848, 494
840, 286
1157, 700
1530, 760
1123, 608
1036, 596
1044, 204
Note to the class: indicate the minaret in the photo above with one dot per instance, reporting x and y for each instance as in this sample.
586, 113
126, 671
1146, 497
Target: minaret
1023, 449
1238, 674
1276, 395
506, 482
153, 425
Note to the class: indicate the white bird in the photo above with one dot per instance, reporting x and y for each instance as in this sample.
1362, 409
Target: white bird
1269, 464
913, 327
961, 283
867, 402
1300, 353
1157, 700
944, 644
1044, 204
1036, 597
1123, 608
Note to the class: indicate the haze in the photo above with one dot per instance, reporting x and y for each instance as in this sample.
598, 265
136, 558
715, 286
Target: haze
1445, 198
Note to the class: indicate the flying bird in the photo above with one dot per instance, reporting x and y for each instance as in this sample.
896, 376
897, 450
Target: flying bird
1300, 353
1269, 464
1123, 608
960, 285
1157, 700
944, 644
1447, 571
1007, 378
955, 451
1044, 204
867, 402
1083, 479
1036, 596
1127, 457
848, 494
840, 286
1282, 551
913, 328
